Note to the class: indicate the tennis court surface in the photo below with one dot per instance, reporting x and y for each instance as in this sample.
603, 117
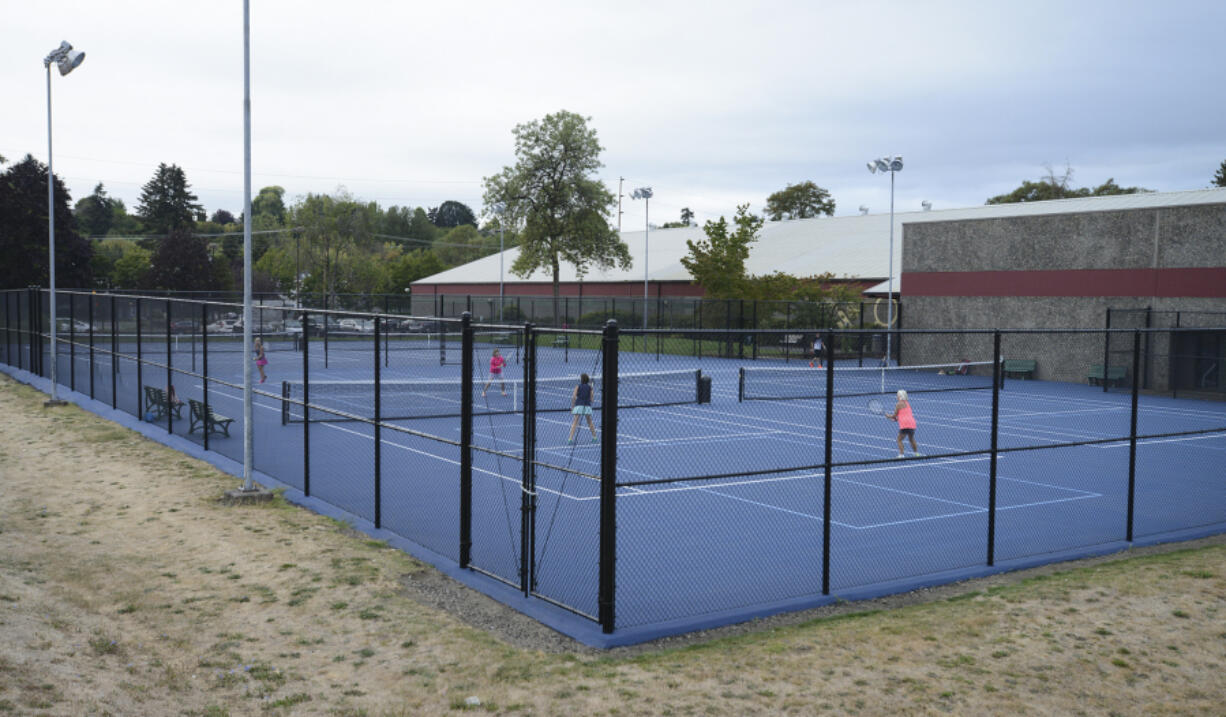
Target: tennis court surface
718, 486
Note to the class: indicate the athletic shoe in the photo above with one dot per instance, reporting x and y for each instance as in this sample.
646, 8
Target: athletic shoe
570, 440
919, 455
595, 440
899, 456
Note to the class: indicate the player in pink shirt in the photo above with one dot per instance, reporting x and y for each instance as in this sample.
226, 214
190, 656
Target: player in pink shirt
496, 364
906, 422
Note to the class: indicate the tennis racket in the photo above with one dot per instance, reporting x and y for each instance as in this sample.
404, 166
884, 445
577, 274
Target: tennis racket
875, 406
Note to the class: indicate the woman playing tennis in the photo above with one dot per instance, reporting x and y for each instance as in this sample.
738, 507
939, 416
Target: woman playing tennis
496, 364
906, 423
261, 359
581, 405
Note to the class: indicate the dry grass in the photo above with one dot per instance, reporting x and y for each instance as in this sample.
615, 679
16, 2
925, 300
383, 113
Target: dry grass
125, 588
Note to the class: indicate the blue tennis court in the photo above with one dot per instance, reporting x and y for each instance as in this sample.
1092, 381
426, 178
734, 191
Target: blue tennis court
720, 501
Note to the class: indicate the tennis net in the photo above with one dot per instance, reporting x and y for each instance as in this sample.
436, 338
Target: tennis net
789, 382
355, 400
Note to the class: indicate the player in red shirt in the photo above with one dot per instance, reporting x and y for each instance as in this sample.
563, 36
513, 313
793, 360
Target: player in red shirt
496, 364
906, 422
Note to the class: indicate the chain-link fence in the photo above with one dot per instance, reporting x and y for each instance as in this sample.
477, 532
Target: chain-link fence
642, 477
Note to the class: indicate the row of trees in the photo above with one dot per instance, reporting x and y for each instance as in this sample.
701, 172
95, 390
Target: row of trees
321, 243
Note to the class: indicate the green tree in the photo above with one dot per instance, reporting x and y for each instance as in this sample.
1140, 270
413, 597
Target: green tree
335, 234
1060, 187
132, 268
122, 223
799, 201
221, 217
95, 213
451, 214
181, 263
463, 244
687, 216
23, 231
409, 267
269, 203
421, 229
717, 263
552, 194
166, 203
1219, 179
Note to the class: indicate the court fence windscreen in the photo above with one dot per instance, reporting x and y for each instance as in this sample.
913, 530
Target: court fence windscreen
642, 478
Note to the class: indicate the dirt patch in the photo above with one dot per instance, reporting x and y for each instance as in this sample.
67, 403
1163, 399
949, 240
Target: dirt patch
127, 587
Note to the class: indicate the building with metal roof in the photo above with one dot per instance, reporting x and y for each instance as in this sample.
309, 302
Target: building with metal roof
854, 248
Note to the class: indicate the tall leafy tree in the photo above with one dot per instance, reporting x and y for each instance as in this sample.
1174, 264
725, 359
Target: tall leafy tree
181, 263
269, 203
717, 263
687, 216
1060, 187
166, 202
1219, 179
421, 228
451, 214
799, 201
335, 234
95, 213
222, 217
551, 193
23, 231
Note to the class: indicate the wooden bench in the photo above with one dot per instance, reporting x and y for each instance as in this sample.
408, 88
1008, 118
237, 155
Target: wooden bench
1115, 375
158, 404
1020, 368
211, 422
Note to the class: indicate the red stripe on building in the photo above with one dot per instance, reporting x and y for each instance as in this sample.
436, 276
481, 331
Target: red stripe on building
1208, 282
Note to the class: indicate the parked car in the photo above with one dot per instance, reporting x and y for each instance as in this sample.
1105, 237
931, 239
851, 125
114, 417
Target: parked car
224, 326
182, 326
76, 325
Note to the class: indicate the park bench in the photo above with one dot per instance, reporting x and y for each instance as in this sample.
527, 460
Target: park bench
561, 340
211, 422
157, 404
1020, 368
1115, 375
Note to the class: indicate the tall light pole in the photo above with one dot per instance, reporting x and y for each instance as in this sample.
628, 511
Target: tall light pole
248, 429
644, 193
892, 165
501, 210
67, 59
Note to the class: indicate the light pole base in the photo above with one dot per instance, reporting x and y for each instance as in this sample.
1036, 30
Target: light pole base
53, 402
247, 497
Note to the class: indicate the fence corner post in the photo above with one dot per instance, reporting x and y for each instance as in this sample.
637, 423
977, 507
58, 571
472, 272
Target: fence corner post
607, 590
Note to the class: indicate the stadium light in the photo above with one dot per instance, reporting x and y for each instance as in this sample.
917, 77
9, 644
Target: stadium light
67, 60
893, 165
645, 194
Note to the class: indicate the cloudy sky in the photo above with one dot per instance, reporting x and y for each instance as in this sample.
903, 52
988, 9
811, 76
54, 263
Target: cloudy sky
711, 103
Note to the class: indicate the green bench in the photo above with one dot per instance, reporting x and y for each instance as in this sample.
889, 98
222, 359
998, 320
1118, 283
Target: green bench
1020, 368
1115, 375
157, 404
211, 422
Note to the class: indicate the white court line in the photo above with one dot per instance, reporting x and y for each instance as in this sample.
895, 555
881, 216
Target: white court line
1143, 441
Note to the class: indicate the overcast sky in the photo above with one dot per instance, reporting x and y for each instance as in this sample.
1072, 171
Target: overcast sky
711, 103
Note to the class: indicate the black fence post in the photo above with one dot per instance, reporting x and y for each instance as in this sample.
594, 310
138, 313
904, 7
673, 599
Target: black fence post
828, 478
306, 403
204, 363
377, 430
466, 438
114, 355
90, 319
32, 325
1132, 432
140, 366
170, 395
1107, 353
72, 342
526, 480
996, 376
607, 590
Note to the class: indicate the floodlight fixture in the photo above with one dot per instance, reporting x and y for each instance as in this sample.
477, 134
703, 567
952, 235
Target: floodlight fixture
66, 59
863, 209
642, 193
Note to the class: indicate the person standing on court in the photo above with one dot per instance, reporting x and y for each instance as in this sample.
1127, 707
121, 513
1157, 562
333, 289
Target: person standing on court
906, 423
260, 359
496, 364
581, 405
817, 351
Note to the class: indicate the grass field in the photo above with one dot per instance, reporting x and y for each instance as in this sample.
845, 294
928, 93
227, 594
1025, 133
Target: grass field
127, 588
